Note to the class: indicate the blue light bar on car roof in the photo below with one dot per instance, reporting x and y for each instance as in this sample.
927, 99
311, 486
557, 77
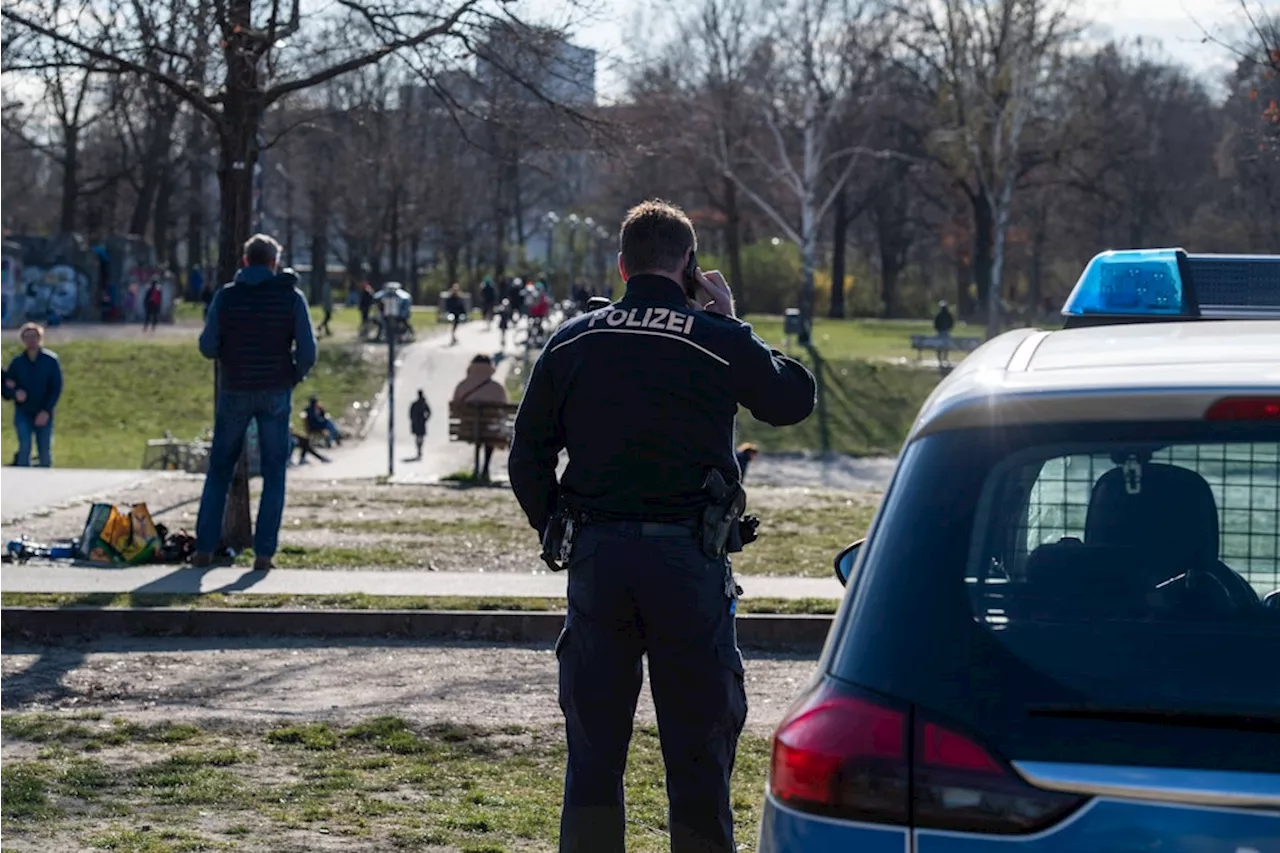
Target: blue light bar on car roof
1168, 284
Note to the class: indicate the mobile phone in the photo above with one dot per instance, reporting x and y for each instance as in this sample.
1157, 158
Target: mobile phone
691, 277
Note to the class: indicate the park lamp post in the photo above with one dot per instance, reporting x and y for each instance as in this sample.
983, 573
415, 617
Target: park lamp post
390, 315
603, 234
573, 222
553, 219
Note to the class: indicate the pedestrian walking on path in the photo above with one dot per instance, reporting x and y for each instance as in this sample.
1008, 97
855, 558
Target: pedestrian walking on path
456, 308
259, 330
419, 414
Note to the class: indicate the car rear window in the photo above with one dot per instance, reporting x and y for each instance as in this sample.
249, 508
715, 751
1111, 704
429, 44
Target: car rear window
1081, 592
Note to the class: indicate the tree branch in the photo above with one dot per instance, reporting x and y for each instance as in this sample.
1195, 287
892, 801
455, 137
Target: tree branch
445, 27
196, 99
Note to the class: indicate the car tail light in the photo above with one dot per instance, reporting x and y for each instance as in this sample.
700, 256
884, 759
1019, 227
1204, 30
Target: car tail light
844, 753
957, 784
1245, 409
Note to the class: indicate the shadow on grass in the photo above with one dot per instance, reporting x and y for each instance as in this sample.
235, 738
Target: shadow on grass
862, 407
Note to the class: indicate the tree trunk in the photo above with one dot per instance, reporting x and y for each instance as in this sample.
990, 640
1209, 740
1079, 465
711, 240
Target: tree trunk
238, 153
415, 286
319, 245
195, 201
983, 238
451, 264
995, 307
1035, 273
161, 231
839, 237
733, 240
70, 178
890, 270
155, 162
394, 236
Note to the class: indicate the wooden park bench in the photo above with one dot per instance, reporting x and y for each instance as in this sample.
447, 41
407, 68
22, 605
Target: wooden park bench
482, 424
941, 345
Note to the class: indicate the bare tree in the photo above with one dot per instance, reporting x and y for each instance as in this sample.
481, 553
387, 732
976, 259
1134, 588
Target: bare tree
985, 66
824, 57
266, 55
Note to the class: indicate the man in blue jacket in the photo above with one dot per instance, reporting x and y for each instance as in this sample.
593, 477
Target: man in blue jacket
36, 377
259, 329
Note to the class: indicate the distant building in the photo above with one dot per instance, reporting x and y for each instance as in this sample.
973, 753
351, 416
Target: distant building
448, 89
537, 59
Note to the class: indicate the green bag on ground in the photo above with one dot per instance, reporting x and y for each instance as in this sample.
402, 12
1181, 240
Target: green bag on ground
112, 537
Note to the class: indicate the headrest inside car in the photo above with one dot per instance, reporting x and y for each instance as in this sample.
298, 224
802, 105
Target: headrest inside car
1162, 509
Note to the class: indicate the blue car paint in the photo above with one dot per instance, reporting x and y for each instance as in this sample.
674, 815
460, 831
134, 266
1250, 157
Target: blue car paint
785, 829
1101, 826
1129, 826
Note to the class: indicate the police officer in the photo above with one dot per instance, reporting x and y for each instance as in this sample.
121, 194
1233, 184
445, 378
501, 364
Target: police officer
643, 395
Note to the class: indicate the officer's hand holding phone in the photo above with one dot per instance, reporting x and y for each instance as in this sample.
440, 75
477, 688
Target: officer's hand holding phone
707, 291
714, 294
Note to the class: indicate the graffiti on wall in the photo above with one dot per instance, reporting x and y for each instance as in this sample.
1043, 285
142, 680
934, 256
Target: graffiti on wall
10, 275
60, 291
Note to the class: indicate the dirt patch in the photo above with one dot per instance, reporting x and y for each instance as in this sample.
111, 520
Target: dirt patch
163, 746
232, 681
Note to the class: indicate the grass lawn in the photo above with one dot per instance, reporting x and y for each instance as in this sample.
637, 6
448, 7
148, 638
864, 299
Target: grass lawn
119, 393
88, 782
840, 340
865, 408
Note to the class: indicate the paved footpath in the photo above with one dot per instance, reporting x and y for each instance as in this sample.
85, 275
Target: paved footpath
24, 491
436, 366
175, 579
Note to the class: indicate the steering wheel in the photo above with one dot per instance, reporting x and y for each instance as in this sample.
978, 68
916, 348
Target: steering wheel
1215, 586
1239, 590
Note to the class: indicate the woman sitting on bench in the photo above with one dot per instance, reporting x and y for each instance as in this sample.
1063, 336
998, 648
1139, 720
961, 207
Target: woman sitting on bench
480, 387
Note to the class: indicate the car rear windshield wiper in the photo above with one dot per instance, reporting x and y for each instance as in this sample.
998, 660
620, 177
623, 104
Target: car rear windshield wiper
1186, 717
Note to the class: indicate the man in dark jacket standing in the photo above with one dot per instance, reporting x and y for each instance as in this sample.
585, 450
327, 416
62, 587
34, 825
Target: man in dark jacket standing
259, 330
36, 375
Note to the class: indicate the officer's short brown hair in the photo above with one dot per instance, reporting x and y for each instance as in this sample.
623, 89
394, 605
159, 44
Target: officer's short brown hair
654, 237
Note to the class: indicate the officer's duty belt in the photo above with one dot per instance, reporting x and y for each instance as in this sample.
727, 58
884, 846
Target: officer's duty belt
657, 529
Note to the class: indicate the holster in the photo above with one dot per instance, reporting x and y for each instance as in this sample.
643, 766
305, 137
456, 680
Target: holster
558, 538
721, 530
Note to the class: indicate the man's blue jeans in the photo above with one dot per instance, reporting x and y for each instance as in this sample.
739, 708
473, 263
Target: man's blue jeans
25, 426
236, 409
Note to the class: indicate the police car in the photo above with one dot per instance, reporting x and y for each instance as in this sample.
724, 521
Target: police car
1062, 632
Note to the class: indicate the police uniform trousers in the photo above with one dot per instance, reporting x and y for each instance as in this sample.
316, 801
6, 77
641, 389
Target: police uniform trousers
637, 588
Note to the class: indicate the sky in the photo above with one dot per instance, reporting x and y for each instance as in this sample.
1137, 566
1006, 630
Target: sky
618, 29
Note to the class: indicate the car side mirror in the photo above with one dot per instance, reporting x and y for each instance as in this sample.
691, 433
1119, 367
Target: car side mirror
845, 560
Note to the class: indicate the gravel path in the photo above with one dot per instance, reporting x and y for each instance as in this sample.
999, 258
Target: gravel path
234, 682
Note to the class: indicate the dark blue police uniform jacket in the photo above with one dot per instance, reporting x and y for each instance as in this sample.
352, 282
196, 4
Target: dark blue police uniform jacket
643, 395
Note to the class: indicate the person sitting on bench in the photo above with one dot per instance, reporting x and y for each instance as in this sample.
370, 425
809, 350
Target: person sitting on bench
480, 387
